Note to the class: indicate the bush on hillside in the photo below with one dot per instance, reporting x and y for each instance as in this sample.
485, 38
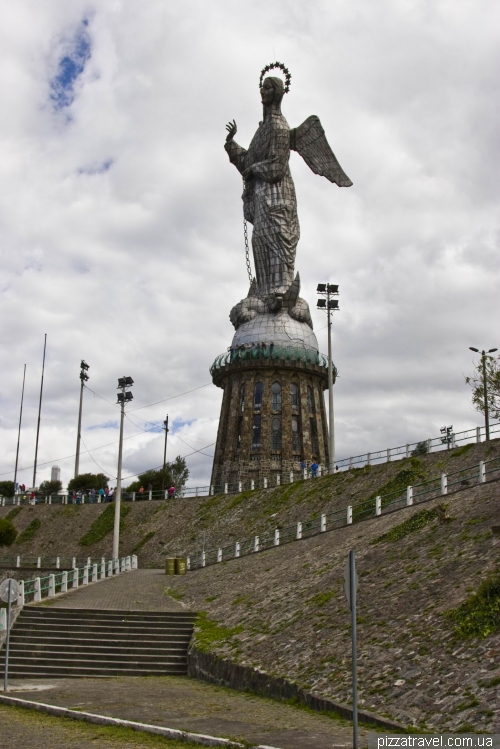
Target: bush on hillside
104, 524
176, 474
422, 448
49, 487
30, 530
6, 488
88, 481
8, 532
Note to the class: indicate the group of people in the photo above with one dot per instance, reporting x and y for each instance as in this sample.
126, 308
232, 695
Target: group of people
171, 491
313, 468
105, 495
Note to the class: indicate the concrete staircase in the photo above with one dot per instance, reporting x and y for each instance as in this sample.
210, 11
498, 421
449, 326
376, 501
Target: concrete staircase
61, 642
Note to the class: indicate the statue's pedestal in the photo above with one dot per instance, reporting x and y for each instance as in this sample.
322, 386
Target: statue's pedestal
277, 328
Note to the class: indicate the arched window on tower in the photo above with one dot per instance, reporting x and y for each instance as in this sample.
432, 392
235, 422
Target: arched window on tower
296, 442
314, 437
257, 396
240, 429
276, 396
256, 429
294, 396
242, 397
310, 399
276, 439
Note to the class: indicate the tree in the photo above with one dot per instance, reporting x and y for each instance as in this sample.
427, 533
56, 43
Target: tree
88, 481
49, 487
8, 532
176, 474
422, 448
476, 381
6, 488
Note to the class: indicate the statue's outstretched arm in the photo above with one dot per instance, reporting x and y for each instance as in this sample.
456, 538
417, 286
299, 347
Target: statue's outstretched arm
235, 152
310, 141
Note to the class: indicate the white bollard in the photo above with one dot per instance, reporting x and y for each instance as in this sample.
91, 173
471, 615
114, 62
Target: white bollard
128, 564
378, 505
482, 472
133, 496
150, 495
304, 473
58, 563
89, 561
252, 484
299, 530
103, 570
453, 443
38, 592
278, 479
478, 434
196, 493
117, 566
291, 477
74, 562
38, 562
429, 446
94, 573
323, 524
237, 549
99, 499
388, 454
225, 489
240, 486
103, 560
407, 454
110, 568
52, 586
203, 558
18, 561
122, 564
50, 500
188, 563
64, 582
85, 580
75, 577
320, 471
265, 482
20, 595
134, 561
211, 490
256, 543
409, 495
219, 554
368, 459
349, 515
277, 537
444, 483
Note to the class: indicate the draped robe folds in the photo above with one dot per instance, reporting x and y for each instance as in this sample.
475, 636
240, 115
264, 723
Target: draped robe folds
269, 203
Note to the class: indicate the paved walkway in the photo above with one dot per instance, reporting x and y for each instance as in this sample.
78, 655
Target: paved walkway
187, 704
139, 590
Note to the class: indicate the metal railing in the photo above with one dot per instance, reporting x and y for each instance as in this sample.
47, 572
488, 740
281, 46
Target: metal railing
24, 561
39, 588
474, 435
373, 507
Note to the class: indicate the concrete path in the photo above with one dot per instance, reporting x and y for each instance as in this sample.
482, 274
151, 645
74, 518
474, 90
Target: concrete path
139, 590
190, 705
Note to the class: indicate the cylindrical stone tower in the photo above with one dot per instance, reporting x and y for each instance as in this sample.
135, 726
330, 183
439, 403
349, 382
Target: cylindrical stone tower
273, 409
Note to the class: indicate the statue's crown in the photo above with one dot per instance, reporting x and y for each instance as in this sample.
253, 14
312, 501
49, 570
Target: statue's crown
283, 68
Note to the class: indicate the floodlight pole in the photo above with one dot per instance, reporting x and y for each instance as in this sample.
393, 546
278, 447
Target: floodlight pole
165, 423
123, 397
83, 378
331, 451
39, 413
19, 430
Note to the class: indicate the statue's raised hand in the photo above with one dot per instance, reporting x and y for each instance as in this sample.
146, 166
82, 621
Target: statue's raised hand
231, 130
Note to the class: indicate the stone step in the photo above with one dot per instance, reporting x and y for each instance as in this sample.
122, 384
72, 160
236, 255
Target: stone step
118, 628
67, 639
103, 660
54, 672
42, 611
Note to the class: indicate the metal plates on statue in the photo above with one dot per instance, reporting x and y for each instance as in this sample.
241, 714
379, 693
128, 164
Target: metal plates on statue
4, 590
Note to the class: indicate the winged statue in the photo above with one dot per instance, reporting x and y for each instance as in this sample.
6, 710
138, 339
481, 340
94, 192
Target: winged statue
269, 201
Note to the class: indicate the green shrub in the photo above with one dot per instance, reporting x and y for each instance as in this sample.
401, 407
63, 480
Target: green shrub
8, 532
406, 477
87, 481
457, 452
321, 598
13, 513
143, 541
479, 615
30, 530
412, 525
6, 488
104, 524
209, 633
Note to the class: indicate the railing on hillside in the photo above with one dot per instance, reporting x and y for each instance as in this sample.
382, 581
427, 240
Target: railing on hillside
24, 561
373, 507
61, 582
434, 444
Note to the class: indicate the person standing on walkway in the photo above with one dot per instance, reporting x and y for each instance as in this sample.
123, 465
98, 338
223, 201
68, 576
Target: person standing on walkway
101, 494
314, 469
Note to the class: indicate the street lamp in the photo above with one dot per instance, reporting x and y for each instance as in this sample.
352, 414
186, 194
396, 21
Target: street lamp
123, 397
165, 425
83, 378
329, 305
485, 388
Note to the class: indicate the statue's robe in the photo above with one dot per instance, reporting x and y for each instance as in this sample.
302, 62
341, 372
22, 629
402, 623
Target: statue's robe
269, 203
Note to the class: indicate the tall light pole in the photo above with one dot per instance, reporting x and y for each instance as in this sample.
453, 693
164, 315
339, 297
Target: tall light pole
485, 388
165, 425
327, 290
19, 431
83, 378
39, 413
123, 397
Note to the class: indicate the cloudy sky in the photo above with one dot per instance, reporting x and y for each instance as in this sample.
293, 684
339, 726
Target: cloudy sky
121, 220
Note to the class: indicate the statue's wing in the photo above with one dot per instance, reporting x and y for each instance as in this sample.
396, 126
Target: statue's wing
309, 140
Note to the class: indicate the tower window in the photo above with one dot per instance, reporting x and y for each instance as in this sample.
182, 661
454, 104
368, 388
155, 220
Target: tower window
276, 396
256, 430
242, 397
257, 396
294, 395
276, 433
310, 399
314, 436
296, 446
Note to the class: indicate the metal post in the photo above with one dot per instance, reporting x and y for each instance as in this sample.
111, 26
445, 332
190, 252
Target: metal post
352, 586
19, 430
165, 423
485, 387
7, 642
79, 432
39, 413
118, 494
331, 430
